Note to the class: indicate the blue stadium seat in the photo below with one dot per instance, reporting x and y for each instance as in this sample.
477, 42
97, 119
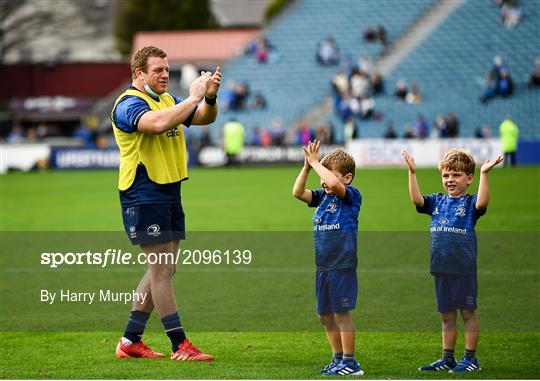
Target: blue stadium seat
449, 67
297, 83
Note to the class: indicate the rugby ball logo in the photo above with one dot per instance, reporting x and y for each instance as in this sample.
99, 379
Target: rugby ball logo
153, 230
460, 212
332, 207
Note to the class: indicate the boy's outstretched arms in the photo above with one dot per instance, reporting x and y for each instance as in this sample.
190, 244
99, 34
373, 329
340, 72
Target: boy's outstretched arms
299, 188
311, 153
414, 188
482, 199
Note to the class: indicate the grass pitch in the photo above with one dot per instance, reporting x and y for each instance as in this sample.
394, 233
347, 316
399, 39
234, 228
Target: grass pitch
259, 320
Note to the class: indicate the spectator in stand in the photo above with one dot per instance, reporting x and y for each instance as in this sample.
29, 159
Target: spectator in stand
16, 135
409, 132
255, 139
340, 83
227, 95
266, 52
359, 84
377, 83
277, 132
439, 127
323, 133
100, 141
304, 134
509, 132
31, 134
84, 134
266, 139
327, 52
240, 95
381, 31
505, 84
401, 90
498, 65
498, 81
534, 76
251, 47
421, 127
390, 132
347, 106
483, 132
370, 34
511, 13
261, 55
367, 108
262, 50
350, 130
490, 86
42, 131
414, 95
258, 102
452, 125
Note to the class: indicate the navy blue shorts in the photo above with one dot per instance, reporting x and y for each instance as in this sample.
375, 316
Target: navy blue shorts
336, 291
455, 292
149, 224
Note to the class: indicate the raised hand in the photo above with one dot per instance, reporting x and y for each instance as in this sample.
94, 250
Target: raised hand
306, 162
199, 86
488, 164
311, 152
409, 160
212, 86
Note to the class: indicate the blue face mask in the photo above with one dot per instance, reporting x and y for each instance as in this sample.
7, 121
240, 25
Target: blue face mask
149, 90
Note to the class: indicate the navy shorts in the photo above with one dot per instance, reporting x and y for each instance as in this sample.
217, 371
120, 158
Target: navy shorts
336, 291
455, 291
150, 224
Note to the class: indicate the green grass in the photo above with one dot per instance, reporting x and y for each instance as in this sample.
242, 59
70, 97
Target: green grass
253, 199
258, 319
255, 356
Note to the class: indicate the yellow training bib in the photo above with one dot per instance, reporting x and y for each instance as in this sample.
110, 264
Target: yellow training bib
164, 155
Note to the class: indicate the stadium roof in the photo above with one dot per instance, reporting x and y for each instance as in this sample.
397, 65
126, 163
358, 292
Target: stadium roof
197, 46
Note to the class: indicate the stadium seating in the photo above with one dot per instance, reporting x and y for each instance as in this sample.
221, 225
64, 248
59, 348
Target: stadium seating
297, 83
449, 67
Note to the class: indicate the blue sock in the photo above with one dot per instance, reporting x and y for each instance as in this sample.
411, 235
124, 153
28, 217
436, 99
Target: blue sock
349, 359
448, 355
136, 325
174, 329
470, 353
338, 357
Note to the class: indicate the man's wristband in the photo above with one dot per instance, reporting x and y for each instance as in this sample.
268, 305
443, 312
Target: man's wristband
210, 101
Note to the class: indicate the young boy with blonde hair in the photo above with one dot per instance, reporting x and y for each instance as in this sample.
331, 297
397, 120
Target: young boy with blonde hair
335, 226
453, 250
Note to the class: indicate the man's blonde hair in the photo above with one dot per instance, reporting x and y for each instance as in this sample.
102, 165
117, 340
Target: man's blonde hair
340, 161
457, 159
140, 58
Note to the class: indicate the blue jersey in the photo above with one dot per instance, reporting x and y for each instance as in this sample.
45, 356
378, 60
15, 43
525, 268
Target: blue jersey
126, 116
335, 229
453, 239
